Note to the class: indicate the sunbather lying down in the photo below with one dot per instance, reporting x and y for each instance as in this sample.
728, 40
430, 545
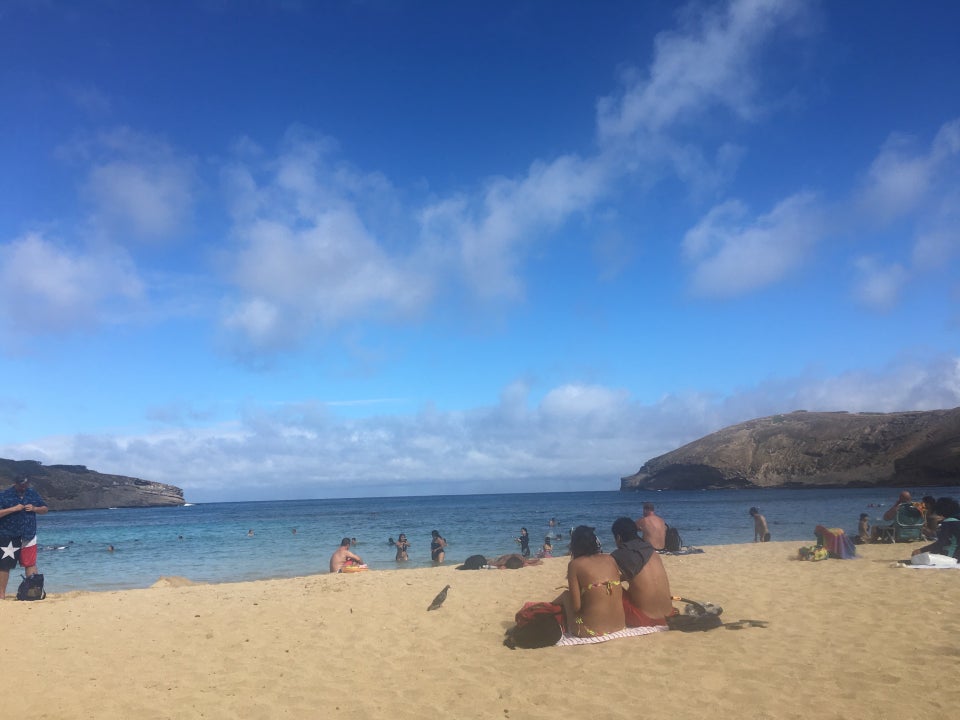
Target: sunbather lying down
513, 561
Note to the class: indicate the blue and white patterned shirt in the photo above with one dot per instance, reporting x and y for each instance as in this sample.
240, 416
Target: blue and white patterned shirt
19, 524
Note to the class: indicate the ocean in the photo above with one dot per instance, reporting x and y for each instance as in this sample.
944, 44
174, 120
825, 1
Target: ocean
211, 542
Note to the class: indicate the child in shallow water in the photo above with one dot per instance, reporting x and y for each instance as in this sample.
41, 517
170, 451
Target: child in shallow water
546, 550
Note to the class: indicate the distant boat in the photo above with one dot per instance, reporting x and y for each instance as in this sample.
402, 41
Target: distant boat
187, 505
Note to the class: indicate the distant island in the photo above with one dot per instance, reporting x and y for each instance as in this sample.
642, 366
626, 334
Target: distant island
814, 450
74, 487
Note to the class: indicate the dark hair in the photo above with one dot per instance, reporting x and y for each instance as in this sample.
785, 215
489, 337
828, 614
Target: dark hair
754, 511
625, 529
345, 542
947, 507
929, 500
583, 541
648, 506
513, 563
523, 530
435, 533
864, 515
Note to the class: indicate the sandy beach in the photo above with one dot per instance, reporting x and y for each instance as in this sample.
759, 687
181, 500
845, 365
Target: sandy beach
846, 639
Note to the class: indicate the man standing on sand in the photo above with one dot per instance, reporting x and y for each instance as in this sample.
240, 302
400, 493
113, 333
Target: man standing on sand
652, 528
760, 531
342, 557
19, 506
647, 600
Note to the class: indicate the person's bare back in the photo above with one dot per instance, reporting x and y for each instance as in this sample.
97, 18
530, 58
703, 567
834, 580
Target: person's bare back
652, 528
642, 568
342, 556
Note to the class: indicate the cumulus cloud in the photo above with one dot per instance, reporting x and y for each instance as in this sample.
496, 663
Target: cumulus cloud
587, 435
46, 287
138, 187
733, 253
879, 285
710, 63
307, 252
919, 188
312, 255
902, 177
492, 230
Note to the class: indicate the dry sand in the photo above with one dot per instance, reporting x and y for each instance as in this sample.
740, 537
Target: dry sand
846, 639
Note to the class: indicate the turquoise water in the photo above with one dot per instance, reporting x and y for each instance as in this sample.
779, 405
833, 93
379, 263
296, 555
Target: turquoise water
209, 542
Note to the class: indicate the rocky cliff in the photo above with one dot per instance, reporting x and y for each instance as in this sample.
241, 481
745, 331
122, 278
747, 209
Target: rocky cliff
74, 487
814, 449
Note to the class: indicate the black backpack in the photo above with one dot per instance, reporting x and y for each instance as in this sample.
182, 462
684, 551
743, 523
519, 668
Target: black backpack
31, 588
474, 562
673, 541
696, 617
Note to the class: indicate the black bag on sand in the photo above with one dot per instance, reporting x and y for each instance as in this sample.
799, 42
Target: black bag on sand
542, 631
696, 617
31, 588
474, 562
673, 542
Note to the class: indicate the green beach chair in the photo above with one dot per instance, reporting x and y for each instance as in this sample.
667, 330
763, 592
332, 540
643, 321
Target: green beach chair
908, 524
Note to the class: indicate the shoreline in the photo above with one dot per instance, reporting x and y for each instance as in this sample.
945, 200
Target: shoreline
840, 634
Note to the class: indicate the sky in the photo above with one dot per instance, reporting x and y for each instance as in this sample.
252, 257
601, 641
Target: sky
274, 249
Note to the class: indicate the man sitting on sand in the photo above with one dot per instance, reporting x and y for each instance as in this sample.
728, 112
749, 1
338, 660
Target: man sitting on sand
652, 527
343, 557
647, 601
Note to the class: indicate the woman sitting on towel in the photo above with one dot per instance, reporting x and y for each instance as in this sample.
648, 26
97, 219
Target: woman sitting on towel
594, 602
948, 535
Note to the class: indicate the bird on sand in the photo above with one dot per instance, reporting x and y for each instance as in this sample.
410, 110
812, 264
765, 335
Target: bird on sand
438, 600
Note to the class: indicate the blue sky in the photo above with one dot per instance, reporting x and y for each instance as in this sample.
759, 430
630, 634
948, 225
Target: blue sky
288, 249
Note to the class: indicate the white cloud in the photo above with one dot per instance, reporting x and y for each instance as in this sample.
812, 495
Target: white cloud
734, 254
46, 288
307, 256
138, 186
710, 63
586, 434
902, 178
492, 231
921, 190
879, 286
313, 253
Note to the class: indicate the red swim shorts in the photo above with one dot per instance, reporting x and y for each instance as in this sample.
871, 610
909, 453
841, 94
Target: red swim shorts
636, 618
28, 553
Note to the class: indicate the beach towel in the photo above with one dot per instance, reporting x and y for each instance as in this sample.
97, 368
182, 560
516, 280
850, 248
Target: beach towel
625, 633
836, 542
933, 560
688, 550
